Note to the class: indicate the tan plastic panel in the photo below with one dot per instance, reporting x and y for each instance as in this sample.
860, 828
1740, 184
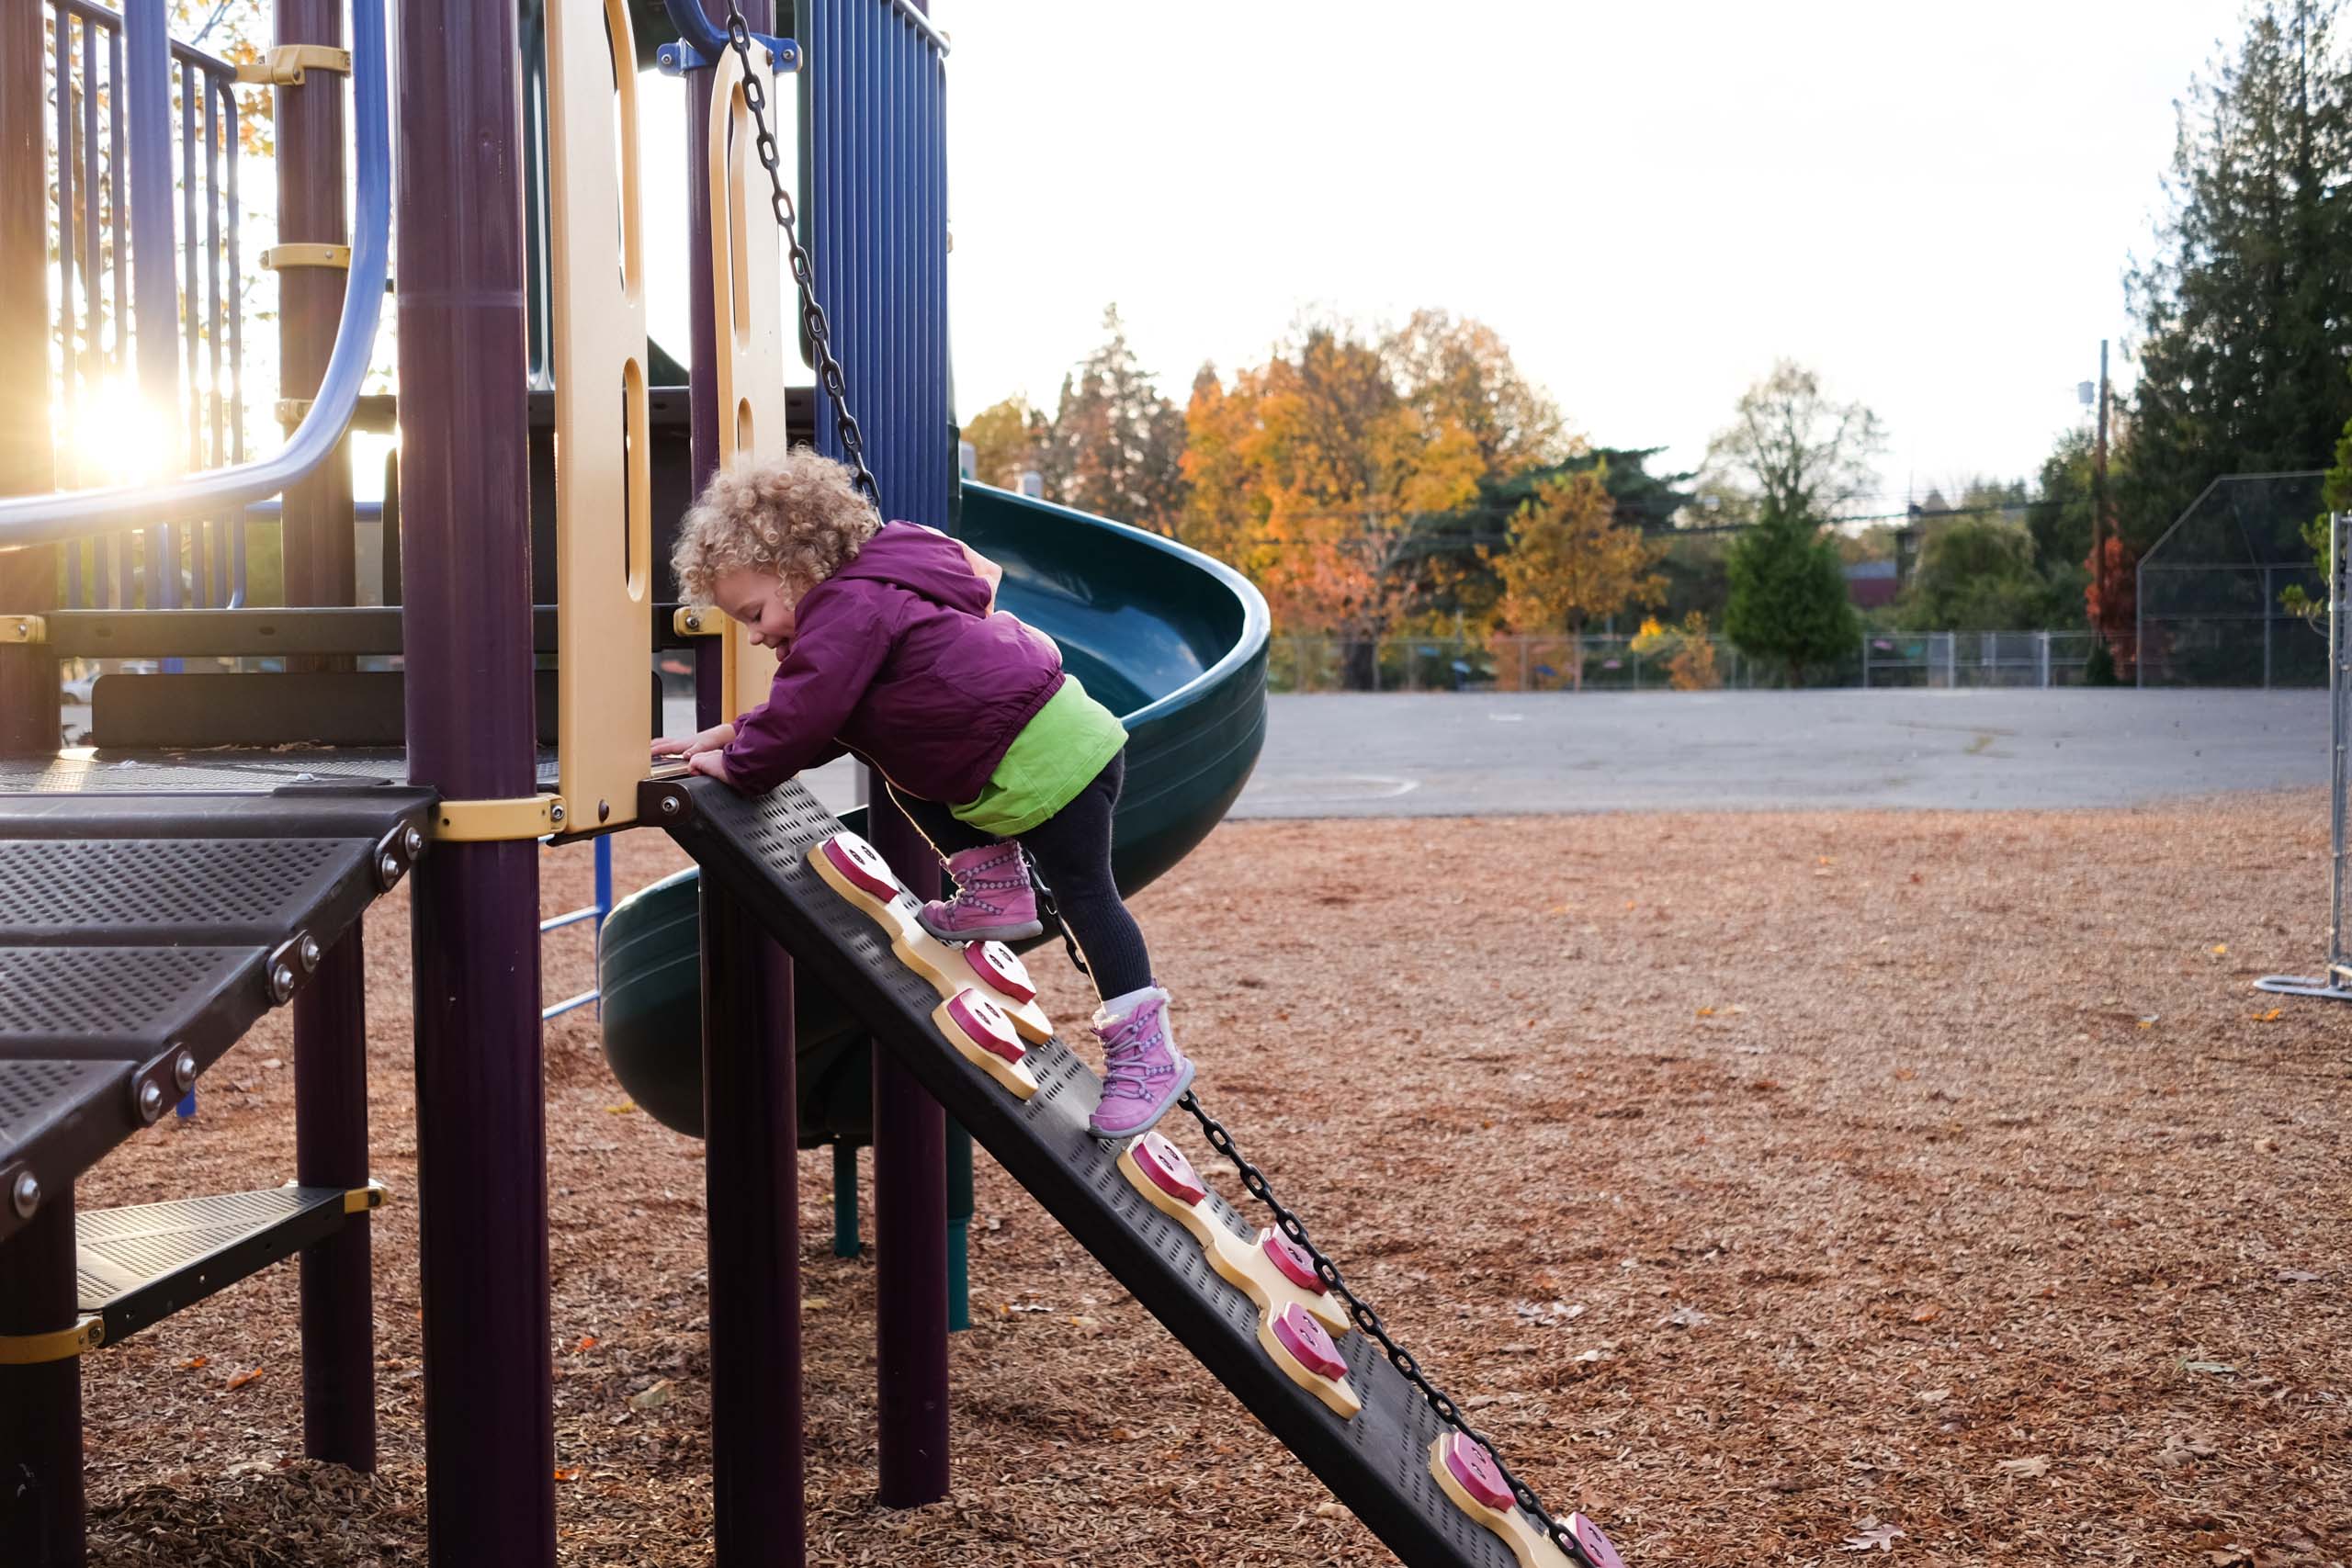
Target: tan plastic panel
746, 302
603, 494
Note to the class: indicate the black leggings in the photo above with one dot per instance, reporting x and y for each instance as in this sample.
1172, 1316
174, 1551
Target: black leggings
1072, 849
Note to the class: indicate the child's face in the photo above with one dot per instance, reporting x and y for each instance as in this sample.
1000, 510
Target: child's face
758, 600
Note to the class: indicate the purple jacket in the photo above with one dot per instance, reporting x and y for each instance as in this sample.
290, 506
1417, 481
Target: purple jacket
895, 658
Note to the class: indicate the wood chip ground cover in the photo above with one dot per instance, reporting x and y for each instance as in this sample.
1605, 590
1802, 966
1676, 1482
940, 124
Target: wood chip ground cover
1776, 1188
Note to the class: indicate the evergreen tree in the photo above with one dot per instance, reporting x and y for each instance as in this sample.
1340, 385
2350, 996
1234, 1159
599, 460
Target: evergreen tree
1789, 602
1116, 445
2243, 364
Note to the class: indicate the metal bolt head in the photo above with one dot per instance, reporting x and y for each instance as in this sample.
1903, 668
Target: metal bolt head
25, 1195
413, 841
309, 952
184, 1069
604, 811
281, 981
555, 811
388, 869
668, 806
151, 1101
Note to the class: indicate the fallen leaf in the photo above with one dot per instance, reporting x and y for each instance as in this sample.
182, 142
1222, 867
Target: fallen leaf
1872, 1536
1706, 1012
1326, 1510
815, 1303
2032, 1469
654, 1398
1928, 1313
2271, 1017
571, 1474
2221, 949
242, 1379
195, 1363
1123, 1435
623, 1109
586, 1342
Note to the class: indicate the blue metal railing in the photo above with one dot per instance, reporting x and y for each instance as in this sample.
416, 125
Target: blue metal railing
104, 217
596, 912
226, 490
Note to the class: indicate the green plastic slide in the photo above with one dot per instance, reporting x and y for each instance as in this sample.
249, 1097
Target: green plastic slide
1172, 640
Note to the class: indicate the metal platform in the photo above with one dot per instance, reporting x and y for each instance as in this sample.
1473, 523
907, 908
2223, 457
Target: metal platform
150, 911
1377, 1464
138, 1266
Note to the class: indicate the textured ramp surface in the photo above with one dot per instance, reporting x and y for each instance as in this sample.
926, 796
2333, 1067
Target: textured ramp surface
136, 925
1377, 1464
138, 1266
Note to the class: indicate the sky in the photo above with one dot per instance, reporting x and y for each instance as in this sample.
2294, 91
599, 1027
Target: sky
1931, 206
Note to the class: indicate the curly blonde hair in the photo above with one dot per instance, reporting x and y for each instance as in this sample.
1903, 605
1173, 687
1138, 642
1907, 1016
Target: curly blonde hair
800, 516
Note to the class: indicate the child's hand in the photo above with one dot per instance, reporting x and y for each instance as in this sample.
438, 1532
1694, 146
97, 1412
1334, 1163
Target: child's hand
711, 763
710, 739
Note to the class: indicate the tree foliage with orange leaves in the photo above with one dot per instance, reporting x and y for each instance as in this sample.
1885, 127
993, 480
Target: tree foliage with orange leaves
1571, 562
1319, 472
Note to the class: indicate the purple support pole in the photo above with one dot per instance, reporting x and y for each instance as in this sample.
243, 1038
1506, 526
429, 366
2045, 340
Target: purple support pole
28, 577
40, 1406
315, 524
752, 1172
465, 503
910, 1232
331, 1150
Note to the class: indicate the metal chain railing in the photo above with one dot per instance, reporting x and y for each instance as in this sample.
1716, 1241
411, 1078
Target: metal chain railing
1366, 1318
1440, 1402
812, 314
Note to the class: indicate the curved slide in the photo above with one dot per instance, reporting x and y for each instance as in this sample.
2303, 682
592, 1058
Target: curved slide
1172, 640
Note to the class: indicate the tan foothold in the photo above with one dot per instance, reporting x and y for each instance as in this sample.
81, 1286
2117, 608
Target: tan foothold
983, 1036
855, 870
1307, 1357
1467, 1474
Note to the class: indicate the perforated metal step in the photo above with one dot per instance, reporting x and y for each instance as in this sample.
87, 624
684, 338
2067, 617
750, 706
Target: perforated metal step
142, 934
138, 1266
1377, 1464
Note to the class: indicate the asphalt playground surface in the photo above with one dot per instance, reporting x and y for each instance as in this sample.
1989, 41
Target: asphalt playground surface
1455, 754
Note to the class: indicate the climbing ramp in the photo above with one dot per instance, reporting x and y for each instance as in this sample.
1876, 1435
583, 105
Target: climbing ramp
1253, 1316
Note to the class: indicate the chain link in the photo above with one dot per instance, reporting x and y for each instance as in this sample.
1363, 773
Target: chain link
812, 314
1369, 1321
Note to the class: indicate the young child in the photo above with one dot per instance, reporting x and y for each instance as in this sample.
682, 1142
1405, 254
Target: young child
892, 649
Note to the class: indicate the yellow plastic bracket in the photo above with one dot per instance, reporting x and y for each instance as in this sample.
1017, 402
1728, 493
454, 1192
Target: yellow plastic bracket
359, 1200
291, 412
748, 310
58, 1345
603, 488
697, 620
496, 821
284, 65
23, 629
278, 258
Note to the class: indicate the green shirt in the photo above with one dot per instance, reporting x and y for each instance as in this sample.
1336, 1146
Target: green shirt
1056, 755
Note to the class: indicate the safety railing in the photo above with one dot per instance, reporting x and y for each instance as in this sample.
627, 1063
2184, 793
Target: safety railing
104, 219
224, 490
596, 912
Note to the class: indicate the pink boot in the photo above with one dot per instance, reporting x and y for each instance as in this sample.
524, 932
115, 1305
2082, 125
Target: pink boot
993, 899
1143, 1072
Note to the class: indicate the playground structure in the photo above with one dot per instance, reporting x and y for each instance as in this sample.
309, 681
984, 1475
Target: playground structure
213, 855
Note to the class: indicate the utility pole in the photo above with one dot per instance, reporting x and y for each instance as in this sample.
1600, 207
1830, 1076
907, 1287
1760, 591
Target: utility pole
2099, 507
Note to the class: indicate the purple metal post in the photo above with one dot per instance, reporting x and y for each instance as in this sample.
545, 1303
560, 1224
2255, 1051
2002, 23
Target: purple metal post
40, 1406
909, 1231
331, 1150
315, 524
465, 495
752, 1170
28, 578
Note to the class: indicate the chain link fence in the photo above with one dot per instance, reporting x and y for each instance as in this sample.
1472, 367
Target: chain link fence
2208, 591
1930, 659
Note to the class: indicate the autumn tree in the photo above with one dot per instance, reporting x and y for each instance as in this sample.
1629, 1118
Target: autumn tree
1007, 438
1790, 452
1571, 562
1341, 474
1116, 445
